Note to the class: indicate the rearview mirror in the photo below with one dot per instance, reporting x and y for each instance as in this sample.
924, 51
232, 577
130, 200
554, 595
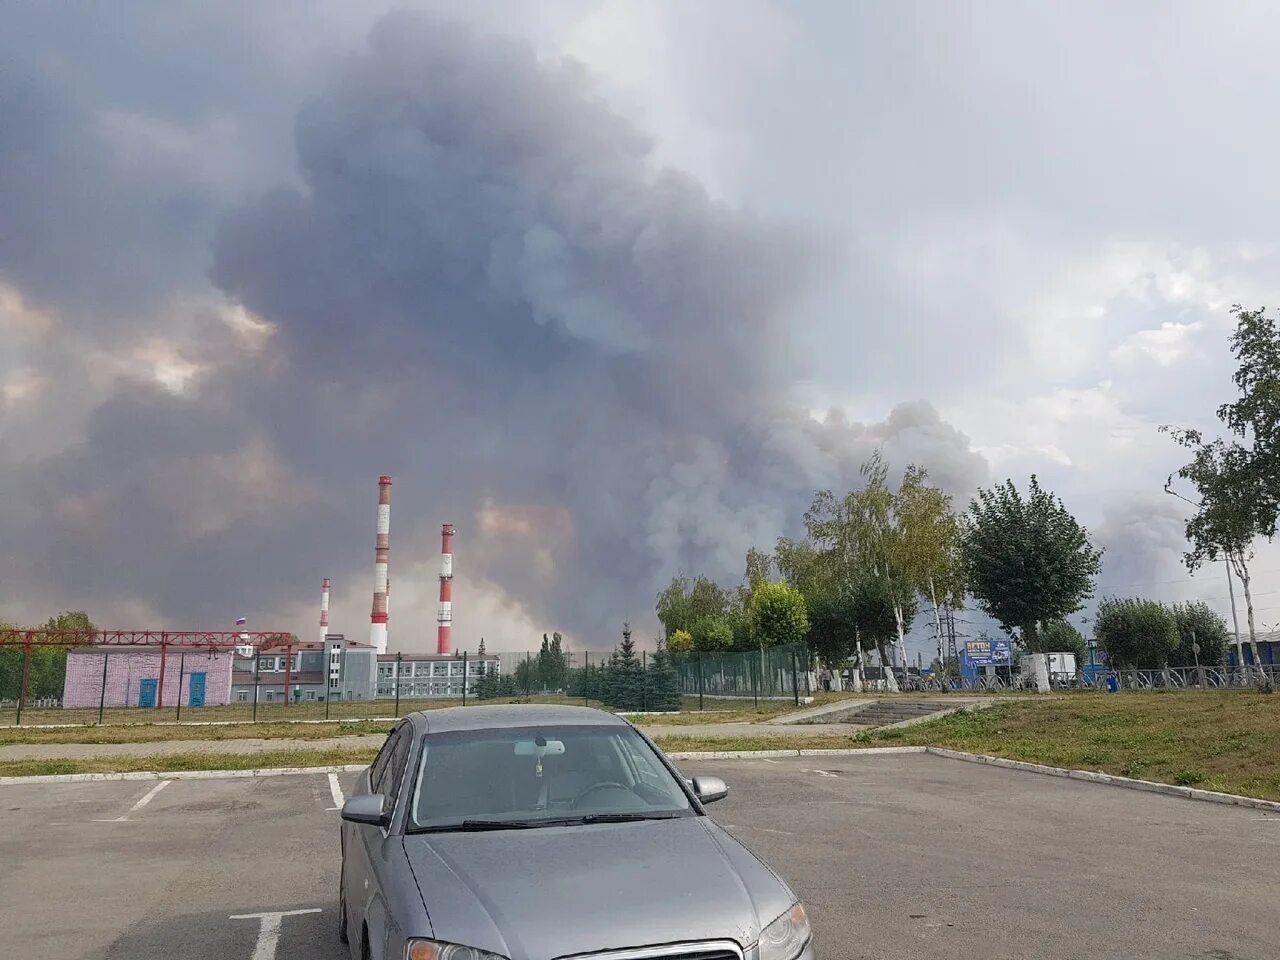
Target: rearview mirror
367, 808
710, 789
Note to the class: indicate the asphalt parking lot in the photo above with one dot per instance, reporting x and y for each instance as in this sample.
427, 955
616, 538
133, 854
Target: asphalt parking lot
897, 857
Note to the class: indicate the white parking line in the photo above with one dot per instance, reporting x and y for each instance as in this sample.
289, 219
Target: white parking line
336, 790
269, 930
142, 802
822, 773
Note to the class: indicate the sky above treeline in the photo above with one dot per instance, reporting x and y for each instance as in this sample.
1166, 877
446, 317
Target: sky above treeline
611, 285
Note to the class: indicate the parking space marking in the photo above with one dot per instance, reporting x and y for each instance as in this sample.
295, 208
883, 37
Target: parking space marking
269, 930
142, 802
823, 773
336, 790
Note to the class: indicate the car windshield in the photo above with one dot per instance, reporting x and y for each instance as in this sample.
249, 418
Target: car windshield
541, 776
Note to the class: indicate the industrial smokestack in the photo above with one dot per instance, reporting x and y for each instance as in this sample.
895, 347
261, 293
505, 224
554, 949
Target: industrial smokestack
444, 618
324, 609
381, 560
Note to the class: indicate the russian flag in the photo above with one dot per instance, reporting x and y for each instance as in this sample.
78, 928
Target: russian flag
241, 621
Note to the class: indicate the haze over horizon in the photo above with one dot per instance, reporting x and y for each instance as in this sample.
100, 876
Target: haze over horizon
613, 286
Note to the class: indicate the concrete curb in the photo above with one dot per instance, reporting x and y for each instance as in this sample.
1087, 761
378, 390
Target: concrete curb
1128, 783
776, 754
183, 774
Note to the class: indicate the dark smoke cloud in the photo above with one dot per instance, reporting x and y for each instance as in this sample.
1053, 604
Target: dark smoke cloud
482, 285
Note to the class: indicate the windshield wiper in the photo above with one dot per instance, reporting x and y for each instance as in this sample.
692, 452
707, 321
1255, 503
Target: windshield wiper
468, 826
476, 826
614, 818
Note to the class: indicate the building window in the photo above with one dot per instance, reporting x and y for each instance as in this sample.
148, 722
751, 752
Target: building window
242, 696
270, 696
311, 694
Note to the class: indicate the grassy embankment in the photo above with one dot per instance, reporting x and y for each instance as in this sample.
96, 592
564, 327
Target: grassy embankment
1227, 741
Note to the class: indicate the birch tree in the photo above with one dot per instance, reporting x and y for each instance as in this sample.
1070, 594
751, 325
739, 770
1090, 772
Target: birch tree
927, 545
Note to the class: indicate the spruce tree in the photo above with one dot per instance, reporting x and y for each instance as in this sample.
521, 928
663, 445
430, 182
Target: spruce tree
662, 682
628, 675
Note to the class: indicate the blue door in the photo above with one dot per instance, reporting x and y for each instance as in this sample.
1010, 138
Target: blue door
197, 690
147, 693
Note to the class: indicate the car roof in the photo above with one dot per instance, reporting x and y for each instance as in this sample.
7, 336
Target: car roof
506, 715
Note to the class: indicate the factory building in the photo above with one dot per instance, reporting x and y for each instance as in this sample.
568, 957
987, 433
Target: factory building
337, 669
432, 674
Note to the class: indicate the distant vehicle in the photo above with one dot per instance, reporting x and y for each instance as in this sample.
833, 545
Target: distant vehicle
531, 832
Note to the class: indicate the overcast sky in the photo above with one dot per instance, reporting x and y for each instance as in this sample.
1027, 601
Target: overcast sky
613, 285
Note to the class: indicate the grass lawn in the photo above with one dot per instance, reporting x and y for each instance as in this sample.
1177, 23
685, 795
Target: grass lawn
1228, 741
149, 733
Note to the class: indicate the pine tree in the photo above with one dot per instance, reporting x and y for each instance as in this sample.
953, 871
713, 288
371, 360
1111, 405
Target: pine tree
662, 682
482, 646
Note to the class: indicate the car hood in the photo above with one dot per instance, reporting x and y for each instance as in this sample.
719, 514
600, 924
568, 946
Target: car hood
556, 891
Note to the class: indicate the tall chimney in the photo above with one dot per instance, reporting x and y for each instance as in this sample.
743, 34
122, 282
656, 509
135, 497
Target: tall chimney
381, 559
324, 609
444, 619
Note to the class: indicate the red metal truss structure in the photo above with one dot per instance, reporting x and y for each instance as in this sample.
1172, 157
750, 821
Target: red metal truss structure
202, 639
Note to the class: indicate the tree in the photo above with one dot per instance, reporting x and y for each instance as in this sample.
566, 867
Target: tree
927, 548
1136, 633
1058, 636
1232, 511
526, 675
858, 536
877, 617
1027, 560
624, 687
685, 601
1237, 487
662, 682
552, 664
680, 642
712, 634
1201, 624
833, 627
777, 615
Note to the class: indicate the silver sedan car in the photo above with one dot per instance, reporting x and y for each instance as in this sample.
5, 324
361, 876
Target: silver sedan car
546, 832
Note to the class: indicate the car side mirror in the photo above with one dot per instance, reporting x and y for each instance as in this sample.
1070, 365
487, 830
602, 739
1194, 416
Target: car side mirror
710, 789
367, 808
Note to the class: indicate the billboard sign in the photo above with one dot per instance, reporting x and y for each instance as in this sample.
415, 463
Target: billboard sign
988, 653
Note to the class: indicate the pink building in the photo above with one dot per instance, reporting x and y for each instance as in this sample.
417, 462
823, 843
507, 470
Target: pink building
133, 677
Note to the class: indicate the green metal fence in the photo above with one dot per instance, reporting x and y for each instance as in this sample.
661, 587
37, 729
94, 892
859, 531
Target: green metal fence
773, 673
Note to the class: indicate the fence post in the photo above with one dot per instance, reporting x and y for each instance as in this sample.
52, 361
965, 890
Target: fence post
527, 678
102, 694
700, 681
795, 680
288, 672
755, 682
399, 661
464, 678
182, 667
257, 676
328, 695
644, 682
164, 650
26, 677
586, 678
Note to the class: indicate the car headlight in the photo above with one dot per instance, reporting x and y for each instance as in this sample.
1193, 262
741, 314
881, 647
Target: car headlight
785, 937
435, 950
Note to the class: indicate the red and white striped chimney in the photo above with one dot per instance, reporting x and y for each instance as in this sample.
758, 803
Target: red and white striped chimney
444, 619
381, 560
324, 609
